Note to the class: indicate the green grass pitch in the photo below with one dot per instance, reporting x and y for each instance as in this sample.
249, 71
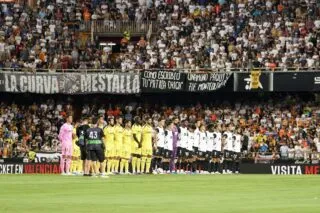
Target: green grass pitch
163, 194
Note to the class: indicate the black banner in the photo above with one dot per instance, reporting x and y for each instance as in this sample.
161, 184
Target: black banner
253, 81
162, 81
280, 169
70, 83
297, 81
206, 82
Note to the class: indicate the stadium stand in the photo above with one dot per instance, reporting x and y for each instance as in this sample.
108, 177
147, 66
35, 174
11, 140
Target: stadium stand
214, 35
283, 125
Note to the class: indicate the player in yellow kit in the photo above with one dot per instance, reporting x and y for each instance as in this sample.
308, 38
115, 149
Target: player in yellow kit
136, 145
109, 132
76, 164
146, 146
118, 140
126, 148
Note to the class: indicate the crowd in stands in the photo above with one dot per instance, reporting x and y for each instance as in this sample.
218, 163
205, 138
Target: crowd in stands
192, 34
288, 126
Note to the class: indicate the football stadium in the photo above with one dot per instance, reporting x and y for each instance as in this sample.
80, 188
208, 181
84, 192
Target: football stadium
159, 106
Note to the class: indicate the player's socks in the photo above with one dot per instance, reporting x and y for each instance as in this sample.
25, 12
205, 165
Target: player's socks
138, 165
68, 164
62, 165
103, 166
79, 167
143, 164
113, 165
126, 166
121, 165
109, 163
134, 164
117, 166
148, 164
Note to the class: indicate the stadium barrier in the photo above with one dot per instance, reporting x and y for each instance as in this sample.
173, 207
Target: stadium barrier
154, 81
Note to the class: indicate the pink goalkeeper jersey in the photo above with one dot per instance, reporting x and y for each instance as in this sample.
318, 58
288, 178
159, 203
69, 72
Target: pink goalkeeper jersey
65, 135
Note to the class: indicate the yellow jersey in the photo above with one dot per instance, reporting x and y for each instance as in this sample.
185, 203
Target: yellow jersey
127, 138
137, 130
118, 137
109, 134
147, 132
76, 149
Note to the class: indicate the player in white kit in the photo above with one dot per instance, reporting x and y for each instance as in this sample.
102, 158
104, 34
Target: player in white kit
183, 142
190, 158
210, 140
168, 145
228, 151
217, 148
236, 151
202, 150
160, 138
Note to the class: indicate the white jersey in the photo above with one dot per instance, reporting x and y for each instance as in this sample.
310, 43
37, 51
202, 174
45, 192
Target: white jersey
217, 143
160, 137
210, 140
237, 143
183, 137
168, 141
203, 142
191, 138
196, 138
228, 145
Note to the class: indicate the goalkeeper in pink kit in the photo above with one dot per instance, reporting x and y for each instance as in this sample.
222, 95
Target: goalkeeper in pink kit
65, 137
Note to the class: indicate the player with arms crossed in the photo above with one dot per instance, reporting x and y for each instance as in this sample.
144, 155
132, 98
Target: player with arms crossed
76, 165
95, 149
168, 146
210, 141
126, 148
189, 155
182, 148
146, 146
65, 137
109, 133
202, 164
136, 145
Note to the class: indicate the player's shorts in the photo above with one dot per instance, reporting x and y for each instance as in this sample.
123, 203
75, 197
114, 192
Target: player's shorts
195, 150
188, 154
136, 150
216, 154
145, 151
126, 154
76, 152
83, 153
202, 154
179, 152
96, 155
228, 154
67, 150
209, 155
159, 151
167, 153
236, 156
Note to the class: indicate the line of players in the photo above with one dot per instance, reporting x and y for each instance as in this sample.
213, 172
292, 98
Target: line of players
141, 148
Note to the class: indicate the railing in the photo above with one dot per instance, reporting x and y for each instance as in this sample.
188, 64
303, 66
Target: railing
200, 70
112, 26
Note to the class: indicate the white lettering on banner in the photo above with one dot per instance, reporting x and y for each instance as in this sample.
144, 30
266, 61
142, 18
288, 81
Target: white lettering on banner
11, 168
286, 170
207, 82
110, 83
45, 84
162, 80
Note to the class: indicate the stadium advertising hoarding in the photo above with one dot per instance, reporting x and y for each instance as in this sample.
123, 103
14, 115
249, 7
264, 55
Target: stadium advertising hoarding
169, 81
280, 169
30, 168
70, 83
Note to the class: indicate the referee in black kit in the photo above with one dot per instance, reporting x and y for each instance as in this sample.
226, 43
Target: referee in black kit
95, 150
